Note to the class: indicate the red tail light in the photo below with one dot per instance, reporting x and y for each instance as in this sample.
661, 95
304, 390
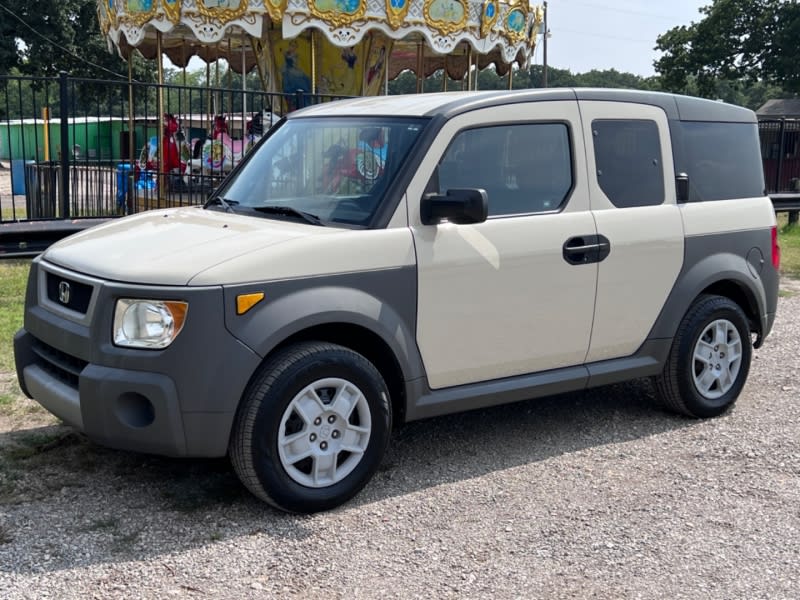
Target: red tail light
776, 250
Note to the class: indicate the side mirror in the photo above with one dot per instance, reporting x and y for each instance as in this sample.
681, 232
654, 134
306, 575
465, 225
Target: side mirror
460, 206
682, 187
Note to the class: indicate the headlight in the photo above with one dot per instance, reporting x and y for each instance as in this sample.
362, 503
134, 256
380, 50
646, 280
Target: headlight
148, 323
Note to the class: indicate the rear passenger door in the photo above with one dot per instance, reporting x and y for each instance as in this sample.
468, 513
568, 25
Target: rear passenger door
632, 194
499, 298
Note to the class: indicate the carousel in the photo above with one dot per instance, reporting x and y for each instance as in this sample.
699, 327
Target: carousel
322, 48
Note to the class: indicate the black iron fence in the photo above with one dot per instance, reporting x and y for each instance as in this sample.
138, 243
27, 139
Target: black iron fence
780, 152
72, 148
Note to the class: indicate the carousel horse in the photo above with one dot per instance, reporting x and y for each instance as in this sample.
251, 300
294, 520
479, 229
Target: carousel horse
175, 154
221, 153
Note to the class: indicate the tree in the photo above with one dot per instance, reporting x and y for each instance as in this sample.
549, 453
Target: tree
736, 41
47, 36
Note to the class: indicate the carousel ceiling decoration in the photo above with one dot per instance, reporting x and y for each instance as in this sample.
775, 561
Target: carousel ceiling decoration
337, 47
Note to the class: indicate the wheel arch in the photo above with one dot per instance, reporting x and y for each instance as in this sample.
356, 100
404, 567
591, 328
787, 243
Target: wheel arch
365, 342
721, 274
365, 322
741, 295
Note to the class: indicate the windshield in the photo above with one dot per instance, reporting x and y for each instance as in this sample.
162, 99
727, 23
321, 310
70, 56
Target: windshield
333, 169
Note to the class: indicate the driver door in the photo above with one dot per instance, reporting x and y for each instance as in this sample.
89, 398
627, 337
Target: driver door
502, 298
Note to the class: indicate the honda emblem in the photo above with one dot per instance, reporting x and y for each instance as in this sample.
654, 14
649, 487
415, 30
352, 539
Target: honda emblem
63, 292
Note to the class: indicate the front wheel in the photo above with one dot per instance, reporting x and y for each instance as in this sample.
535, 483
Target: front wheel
709, 361
312, 429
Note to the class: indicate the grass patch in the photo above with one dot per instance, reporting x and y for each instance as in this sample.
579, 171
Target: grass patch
13, 279
786, 294
789, 240
33, 444
15, 213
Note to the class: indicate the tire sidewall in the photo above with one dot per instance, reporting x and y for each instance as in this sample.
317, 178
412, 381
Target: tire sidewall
715, 309
271, 473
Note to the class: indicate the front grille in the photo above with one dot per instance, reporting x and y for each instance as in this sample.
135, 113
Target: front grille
60, 365
68, 293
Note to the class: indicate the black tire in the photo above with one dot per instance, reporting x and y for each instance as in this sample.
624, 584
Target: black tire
677, 387
254, 446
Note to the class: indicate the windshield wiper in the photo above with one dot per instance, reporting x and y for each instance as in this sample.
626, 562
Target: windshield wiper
290, 212
227, 205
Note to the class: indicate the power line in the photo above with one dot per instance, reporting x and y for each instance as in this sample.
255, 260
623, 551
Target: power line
59, 46
627, 11
607, 36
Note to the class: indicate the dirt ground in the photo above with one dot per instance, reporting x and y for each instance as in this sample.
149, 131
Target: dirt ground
7, 201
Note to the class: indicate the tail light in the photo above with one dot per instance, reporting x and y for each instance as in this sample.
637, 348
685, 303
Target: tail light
776, 250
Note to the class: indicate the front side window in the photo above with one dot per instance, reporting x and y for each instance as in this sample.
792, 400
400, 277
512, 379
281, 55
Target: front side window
337, 169
628, 158
524, 168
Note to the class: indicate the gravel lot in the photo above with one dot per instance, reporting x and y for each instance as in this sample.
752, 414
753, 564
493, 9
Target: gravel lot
595, 495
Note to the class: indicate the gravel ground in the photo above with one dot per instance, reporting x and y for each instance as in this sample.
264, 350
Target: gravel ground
595, 495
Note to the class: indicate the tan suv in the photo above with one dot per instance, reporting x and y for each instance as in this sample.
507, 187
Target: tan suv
382, 260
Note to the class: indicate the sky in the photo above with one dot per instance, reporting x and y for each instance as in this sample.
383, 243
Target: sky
593, 34
618, 34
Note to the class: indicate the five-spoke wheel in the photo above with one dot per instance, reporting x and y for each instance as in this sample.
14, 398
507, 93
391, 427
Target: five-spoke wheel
709, 361
312, 427
324, 432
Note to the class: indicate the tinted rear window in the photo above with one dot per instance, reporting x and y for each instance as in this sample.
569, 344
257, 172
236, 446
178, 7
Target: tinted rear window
723, 160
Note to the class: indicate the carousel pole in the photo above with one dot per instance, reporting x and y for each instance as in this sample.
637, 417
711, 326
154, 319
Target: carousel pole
469, 68
420, 67
444, 75
313, 62
511, 76
161, 154
217, 95
386, 77
208, 100
244, 83
258, 51
131, 134
230, 86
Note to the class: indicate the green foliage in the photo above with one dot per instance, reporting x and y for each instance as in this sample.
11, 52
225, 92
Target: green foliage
70, 25
13, 279
488, 79
738, 43
789, 241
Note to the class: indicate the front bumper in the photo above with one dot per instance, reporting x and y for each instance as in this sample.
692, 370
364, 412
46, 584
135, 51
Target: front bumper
179, 401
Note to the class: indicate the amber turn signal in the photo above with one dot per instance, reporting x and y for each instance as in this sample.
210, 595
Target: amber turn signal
245, 302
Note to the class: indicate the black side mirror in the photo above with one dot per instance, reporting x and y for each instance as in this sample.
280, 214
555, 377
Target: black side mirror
682, 187
460, 206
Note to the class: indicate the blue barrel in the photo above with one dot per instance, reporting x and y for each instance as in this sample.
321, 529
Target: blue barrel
123, 176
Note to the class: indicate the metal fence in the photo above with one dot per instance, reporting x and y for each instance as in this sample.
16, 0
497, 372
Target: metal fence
72, 148
780, 152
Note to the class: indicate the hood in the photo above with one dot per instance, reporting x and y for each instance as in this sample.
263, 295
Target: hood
170, 247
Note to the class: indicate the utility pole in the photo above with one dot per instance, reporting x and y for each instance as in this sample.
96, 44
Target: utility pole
546, 31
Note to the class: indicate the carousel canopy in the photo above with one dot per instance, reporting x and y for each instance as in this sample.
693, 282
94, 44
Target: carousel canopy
380, 36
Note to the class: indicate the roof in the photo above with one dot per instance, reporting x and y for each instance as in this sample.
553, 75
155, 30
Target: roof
789, 107
449, 104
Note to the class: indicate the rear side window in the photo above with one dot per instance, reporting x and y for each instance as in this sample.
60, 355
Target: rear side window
723, 160
628, 158
524, 168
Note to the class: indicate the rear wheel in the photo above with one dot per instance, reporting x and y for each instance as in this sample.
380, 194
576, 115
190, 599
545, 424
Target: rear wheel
709, 361
312, 429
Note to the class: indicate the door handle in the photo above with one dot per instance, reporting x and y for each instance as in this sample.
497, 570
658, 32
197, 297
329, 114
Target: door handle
586, 249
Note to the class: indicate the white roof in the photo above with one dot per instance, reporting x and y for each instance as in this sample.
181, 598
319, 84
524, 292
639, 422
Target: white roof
410, 105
